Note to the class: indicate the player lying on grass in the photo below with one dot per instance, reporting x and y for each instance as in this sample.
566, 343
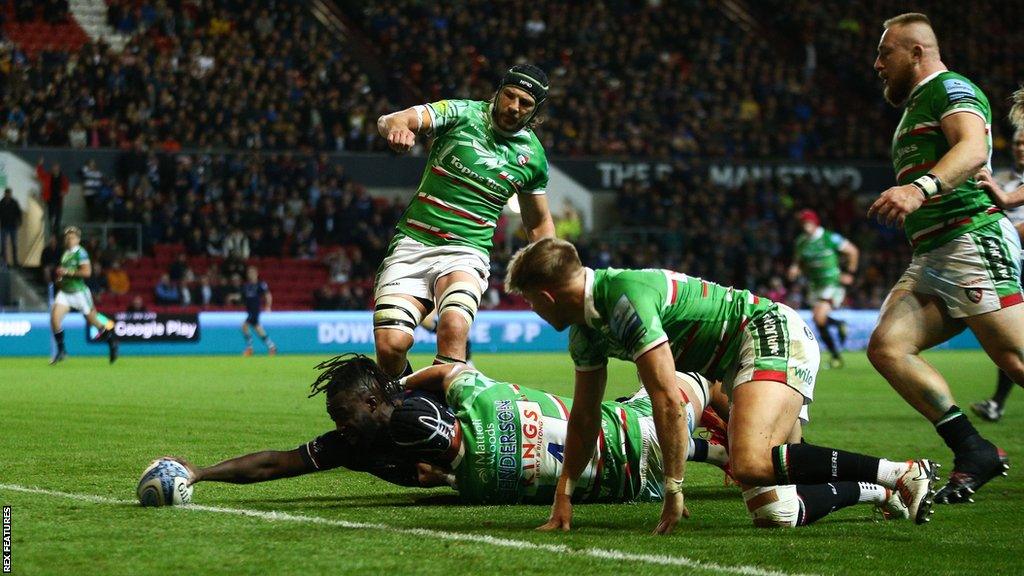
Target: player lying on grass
493, 442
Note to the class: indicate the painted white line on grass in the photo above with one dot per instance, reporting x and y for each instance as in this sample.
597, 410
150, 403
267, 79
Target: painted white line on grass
599, 553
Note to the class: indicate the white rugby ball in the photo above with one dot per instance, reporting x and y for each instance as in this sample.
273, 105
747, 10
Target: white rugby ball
164, 483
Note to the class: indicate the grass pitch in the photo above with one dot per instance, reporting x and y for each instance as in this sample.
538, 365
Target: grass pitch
88, 429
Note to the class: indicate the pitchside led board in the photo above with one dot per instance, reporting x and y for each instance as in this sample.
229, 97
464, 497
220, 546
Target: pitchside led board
152, 327
319, 333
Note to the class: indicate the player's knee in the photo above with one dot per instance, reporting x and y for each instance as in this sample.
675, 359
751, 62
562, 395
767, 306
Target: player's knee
390, 344
752, 469
395, 314
462, 299
773, 506
882, 352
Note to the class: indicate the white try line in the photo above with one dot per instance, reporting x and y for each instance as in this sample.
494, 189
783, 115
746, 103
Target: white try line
599, 553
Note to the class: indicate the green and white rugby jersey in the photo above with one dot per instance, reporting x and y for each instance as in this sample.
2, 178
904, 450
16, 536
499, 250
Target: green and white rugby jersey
629, 312
72, 260
514, 438
917, 146
472, 171
817, 254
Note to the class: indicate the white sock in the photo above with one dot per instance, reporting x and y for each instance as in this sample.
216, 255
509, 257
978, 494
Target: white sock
889, 472
873, 493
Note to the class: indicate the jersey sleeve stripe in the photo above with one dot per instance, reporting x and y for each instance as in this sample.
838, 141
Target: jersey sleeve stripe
650, 346
970, 110
535, 192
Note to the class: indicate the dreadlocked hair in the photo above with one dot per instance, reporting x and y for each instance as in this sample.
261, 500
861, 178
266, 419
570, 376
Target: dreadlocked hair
1017, 109
352, 372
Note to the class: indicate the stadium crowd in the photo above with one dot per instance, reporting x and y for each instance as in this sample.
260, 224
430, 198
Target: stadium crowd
226, 74
629, 78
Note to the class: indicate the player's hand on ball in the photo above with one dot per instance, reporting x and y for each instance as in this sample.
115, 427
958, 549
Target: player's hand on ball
561, 515
893, 206
193, 472
401, 140
672, 511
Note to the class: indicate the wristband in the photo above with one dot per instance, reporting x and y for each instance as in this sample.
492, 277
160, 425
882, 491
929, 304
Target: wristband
929, 185
570, 487
673, 485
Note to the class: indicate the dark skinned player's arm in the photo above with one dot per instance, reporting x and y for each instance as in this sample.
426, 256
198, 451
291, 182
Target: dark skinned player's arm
255, 467
433, 378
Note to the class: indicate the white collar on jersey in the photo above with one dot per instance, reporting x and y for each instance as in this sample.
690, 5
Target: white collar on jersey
925, 80
590, 313
818, 233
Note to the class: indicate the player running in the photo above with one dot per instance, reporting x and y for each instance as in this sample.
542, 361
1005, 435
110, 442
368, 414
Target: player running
73, 294
257, 298
1010, 197
817, 256
965, 270
762, 351
493, 442
482, 154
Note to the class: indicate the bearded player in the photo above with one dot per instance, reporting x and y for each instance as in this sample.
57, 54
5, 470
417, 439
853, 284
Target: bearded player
482, 154
965, 271
817, 256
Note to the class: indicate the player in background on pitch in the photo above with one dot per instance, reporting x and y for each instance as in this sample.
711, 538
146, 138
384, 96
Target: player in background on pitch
257, 298
482, 154
764, 354
73, 294
1007, 191
817, 255
965, 271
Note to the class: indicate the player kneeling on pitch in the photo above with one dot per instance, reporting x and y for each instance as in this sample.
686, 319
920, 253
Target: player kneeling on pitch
764, 354
491, 441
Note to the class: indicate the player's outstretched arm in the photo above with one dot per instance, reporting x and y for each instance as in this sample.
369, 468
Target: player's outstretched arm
432, 378
400, 128
580, 441
251, 468
657, 372
536, 216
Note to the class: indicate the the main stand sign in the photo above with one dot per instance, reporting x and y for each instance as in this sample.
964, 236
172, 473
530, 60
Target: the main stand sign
324, 333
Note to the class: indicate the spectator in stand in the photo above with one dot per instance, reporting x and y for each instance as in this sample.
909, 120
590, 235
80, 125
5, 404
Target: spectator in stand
195, 244
117, 278
137, 305
167, 292
206, 292
233, 291
325, 298
97, 282
10, 223
348, 300
237, 244
50, 259
92, 183
53, 186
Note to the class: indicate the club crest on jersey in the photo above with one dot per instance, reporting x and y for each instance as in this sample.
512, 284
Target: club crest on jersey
522, 159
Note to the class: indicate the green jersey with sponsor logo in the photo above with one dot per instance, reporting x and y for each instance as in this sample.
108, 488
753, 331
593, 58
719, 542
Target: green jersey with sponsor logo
472, 171
919, 144
629, 312
817, 254
514, 438
73, 260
